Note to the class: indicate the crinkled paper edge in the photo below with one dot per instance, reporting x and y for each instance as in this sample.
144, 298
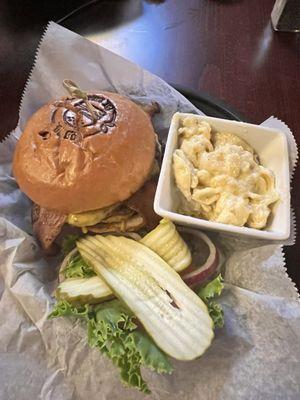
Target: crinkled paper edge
35, 59
293, 161
286, 275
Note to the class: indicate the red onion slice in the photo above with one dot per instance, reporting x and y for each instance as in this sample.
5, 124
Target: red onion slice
195, 275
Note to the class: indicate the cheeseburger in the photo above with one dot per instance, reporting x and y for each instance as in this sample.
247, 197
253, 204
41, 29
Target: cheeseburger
89, 170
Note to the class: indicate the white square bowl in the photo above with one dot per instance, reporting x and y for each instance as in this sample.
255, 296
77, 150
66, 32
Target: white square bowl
271, 147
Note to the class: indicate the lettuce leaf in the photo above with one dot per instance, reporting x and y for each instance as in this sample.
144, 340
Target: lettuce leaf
212, 289
78, 268
112, 328
216, 313
209, 292
150, 354
64, 308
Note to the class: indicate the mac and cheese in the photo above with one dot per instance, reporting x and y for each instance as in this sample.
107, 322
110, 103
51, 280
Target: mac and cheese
220, 177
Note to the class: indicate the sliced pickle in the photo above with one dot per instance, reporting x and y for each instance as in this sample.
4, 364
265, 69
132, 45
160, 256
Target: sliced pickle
83, 290
173, 315
169, 245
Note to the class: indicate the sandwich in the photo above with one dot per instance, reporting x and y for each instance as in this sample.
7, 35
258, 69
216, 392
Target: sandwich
88, 166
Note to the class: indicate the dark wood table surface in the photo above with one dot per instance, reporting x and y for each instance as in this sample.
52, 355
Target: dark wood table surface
226, 48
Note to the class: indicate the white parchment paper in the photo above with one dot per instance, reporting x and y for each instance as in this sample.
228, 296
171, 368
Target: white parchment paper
255, 356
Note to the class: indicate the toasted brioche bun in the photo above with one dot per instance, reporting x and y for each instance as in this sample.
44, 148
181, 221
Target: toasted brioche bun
65, 161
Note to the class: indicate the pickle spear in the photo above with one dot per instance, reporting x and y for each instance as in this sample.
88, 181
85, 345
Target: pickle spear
169, 245
173, 315
83, 290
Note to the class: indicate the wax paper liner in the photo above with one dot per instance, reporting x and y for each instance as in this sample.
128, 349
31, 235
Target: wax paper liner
255, 356
276, 123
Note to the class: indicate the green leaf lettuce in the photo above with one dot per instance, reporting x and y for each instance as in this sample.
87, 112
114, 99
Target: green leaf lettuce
112, 328
78, 268
207, 293
64, 308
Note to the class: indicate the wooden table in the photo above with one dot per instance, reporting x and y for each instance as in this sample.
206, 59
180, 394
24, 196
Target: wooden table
226, 48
